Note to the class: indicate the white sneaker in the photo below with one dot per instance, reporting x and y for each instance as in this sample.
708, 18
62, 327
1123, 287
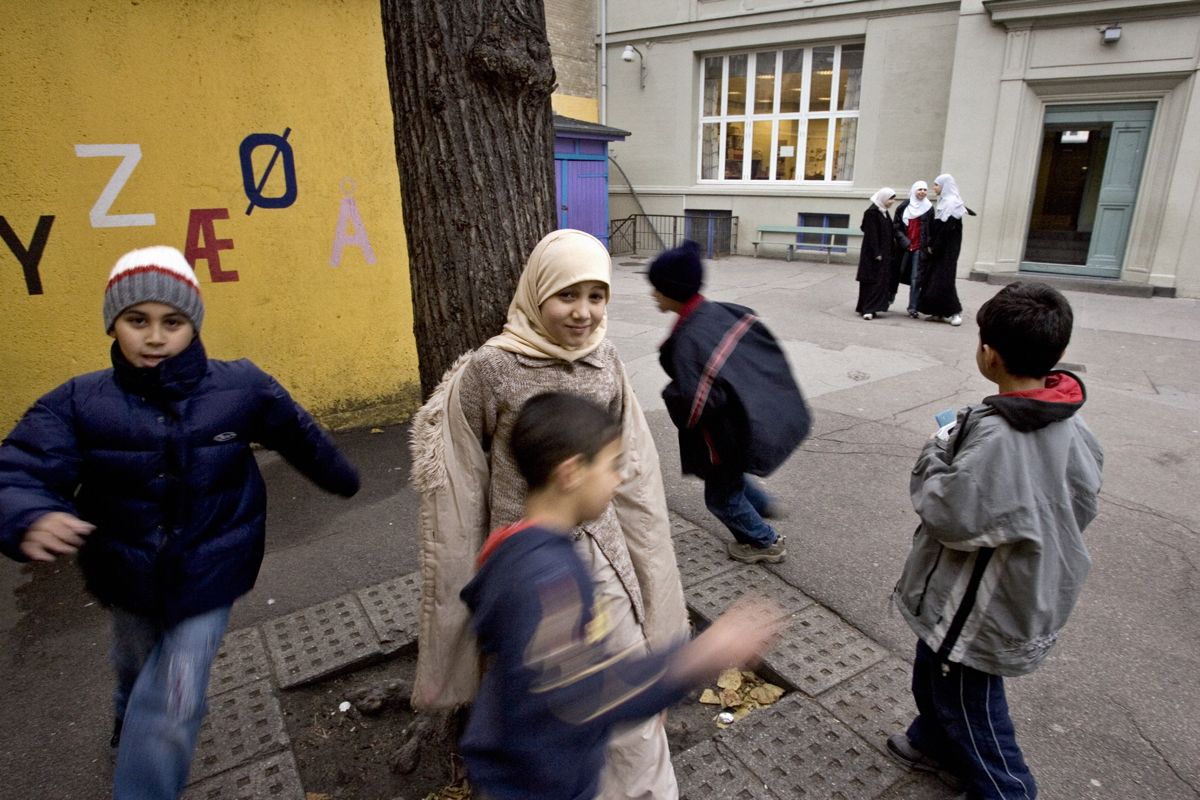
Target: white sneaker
956, 320
868, 316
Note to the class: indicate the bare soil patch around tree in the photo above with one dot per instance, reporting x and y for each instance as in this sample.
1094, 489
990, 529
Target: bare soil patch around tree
378, 748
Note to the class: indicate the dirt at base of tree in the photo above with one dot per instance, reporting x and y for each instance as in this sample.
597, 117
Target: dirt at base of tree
352, 755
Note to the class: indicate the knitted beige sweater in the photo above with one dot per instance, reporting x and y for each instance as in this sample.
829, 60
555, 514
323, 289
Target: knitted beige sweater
495, 385
470, 485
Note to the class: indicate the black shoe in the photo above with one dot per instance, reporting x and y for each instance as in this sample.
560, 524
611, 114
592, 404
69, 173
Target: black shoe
902, 750
115, 740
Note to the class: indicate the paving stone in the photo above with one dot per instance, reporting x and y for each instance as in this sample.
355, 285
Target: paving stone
679, 524
701, 556
320, 640
704, 773
875, 703
711, 597
274, 777
921, 786
393, 607
801, 750
241, 660
242, 725
819, 650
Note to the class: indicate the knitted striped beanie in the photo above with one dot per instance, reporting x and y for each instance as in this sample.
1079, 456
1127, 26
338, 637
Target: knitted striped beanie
160, 274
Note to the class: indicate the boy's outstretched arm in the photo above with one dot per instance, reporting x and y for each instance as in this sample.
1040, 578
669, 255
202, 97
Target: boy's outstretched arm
737, 638
39, 473
294, 434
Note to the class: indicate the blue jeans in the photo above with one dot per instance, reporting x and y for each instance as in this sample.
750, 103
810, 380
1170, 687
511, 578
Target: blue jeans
963, 722
162, 679
914, 282
738, 502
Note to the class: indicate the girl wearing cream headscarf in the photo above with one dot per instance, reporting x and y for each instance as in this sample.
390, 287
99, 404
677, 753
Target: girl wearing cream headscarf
875, 257
939, 296
553, 340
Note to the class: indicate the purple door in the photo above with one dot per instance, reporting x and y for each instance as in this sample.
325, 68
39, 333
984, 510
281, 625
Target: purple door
581, 184
583, 196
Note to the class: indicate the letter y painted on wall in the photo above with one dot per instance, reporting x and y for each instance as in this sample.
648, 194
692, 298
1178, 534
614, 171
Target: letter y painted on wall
30, 256
130, 155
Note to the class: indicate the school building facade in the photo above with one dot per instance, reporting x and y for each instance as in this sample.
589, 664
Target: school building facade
1072, 127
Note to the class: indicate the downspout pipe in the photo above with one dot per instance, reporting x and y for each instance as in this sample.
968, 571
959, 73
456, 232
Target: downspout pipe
603, 62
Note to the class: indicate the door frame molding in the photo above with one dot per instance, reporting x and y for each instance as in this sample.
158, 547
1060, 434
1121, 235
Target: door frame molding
1016, 146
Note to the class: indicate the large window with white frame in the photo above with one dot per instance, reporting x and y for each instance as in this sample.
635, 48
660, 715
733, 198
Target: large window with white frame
781, 116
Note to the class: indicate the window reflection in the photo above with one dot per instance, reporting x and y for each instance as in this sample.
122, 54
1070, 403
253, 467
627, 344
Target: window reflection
821, 85
734, 150
781, 115
737, 85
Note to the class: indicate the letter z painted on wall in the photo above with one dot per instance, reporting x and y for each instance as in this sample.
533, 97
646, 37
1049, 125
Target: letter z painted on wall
130, 155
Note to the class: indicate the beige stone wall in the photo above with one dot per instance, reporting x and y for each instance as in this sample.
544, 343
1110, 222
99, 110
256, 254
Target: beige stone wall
571, 28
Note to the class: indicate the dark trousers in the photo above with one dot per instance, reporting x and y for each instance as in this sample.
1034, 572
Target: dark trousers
963, 722
737, 501
915, 258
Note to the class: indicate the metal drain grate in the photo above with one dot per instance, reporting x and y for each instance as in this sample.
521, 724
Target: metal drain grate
702, 773
242, 725
801, 750
242, 659
275, 777
320, 640
876, 703
393, 607
711, 597
701, 556
819, 650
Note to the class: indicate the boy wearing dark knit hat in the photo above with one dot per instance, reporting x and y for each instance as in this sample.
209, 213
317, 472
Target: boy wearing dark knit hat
733, 398
145, 470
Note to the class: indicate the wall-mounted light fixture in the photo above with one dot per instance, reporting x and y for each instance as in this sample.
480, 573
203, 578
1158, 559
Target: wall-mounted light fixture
1110, 34
627, 56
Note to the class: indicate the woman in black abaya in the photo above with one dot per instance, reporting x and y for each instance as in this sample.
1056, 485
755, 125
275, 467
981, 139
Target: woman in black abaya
875, 257
939, 296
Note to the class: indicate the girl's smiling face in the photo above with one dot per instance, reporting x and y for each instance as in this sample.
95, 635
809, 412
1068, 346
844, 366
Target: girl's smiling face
571, 315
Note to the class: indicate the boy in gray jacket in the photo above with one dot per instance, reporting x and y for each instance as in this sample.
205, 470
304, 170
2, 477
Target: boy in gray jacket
1004, 493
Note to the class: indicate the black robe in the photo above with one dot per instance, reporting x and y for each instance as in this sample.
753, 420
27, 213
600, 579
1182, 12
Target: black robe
939, 296
875, 262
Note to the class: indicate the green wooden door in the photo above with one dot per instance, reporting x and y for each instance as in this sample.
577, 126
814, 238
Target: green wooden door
1118, 191
1105, 216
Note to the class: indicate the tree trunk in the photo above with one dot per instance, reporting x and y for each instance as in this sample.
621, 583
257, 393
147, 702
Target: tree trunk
471, 82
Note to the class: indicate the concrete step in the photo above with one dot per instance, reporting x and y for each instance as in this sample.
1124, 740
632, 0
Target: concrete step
1075, 283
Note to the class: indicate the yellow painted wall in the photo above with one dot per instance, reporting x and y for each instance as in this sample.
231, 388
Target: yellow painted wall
586, 109
187, 81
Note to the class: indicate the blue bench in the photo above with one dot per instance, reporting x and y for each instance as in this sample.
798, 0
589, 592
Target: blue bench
792, 231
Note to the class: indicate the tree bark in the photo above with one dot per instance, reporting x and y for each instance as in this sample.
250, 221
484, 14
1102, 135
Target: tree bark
471, 82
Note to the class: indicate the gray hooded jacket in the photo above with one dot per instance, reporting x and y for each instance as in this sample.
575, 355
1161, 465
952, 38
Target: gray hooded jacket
998, 559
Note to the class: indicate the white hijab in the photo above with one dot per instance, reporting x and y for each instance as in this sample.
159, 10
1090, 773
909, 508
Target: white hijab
879, 198
562, 258
950, 202
916, 207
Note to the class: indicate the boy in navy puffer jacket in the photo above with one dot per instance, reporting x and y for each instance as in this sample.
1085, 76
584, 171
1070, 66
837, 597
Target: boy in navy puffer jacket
146, 471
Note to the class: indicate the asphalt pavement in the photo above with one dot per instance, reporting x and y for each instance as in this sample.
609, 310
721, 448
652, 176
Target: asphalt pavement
1113, 713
